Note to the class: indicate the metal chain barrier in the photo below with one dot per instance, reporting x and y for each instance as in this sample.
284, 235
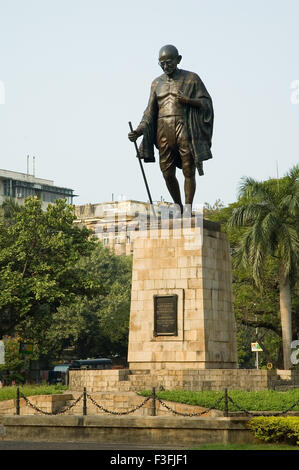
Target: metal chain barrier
291, 407
152, 397
190, 414
252, 413
118, 413
53, 412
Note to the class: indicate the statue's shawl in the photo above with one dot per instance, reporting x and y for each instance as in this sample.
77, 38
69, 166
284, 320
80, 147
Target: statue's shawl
199, 119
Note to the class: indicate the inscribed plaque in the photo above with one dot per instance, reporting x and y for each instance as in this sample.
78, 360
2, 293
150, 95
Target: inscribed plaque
165, 315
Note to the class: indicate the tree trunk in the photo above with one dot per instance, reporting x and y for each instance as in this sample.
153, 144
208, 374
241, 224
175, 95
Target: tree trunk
279, 360
286, 318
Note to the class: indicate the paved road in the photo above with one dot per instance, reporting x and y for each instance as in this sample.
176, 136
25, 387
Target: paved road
17, 445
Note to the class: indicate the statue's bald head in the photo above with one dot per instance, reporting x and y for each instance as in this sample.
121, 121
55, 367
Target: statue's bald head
168, 50
169, 58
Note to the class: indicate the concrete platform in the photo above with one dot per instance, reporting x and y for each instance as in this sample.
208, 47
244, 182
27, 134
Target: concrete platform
154, 430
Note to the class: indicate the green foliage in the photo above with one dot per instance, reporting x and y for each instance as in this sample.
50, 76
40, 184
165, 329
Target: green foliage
62, 288
256, 280
263, 400
38, 251
276, 429
96, 325
8, 393
245, 447
269, 213
252, 307
257, 309
17, 365
269, 210
13, 359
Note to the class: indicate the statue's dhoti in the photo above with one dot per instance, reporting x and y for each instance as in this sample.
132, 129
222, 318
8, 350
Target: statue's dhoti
173, 145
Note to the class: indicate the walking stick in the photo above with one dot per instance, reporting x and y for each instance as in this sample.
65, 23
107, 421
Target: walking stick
142, 171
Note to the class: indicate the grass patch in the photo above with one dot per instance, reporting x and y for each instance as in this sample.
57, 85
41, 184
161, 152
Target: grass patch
8, 393
263, 400
245, 447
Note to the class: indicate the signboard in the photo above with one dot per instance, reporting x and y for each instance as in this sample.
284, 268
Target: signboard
2, 352
165, 315
26, 348
255, 347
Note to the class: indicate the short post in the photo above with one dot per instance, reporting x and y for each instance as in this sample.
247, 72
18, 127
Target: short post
225, 402
84, 402
154, 411
18, 401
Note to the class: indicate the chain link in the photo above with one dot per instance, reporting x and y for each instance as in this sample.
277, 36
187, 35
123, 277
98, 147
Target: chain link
291, 407
190, 414
118, 413
252, 413
58, 412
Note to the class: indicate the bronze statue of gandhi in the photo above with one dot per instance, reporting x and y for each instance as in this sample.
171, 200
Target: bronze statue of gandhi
178, 121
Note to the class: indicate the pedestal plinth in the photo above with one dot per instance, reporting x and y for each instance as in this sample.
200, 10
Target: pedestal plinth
181, 306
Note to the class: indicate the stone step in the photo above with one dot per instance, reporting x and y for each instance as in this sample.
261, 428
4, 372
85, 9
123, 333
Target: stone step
187, 379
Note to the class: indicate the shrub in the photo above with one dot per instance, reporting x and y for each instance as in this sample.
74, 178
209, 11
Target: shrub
15, 377
276, 428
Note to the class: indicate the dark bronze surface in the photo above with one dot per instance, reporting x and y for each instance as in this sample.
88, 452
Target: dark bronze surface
178, 121
165, 315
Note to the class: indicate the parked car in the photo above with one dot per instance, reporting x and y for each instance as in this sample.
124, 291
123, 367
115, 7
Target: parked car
60, 373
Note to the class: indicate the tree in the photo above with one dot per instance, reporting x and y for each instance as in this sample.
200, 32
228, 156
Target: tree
98, 325
256, 312
270, 212
38, 252
14, 362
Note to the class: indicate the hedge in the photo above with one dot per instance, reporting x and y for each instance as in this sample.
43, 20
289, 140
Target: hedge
276, 429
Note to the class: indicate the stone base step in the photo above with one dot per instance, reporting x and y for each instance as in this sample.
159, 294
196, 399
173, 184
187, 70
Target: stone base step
125, 380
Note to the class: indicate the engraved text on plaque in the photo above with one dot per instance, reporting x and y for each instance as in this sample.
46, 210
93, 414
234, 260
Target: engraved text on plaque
165, 315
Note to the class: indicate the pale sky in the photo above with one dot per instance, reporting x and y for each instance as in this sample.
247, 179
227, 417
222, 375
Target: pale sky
74, 72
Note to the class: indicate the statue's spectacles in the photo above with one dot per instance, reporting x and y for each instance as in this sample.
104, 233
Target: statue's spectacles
162, 63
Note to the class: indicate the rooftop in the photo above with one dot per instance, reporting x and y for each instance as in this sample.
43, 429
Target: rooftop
14, 175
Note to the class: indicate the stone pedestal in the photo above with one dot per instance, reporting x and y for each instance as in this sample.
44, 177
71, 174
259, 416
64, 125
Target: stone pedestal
188, 271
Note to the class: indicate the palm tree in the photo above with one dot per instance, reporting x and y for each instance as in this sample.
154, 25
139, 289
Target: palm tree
270, 212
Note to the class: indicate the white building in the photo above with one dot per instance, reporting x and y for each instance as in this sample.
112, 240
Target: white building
18, 186
116, 223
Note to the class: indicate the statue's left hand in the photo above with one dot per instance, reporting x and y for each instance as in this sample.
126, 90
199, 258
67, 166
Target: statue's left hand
181, 98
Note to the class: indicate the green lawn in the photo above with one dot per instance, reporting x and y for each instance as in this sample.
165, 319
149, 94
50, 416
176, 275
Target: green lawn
264, 400
7, 393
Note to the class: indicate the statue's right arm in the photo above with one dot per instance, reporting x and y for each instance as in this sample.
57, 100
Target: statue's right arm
149, 114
